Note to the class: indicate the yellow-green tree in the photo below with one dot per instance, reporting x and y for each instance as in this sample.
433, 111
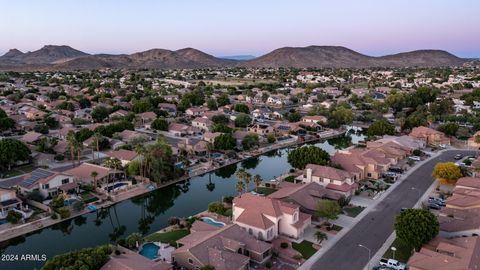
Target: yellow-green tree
447, 172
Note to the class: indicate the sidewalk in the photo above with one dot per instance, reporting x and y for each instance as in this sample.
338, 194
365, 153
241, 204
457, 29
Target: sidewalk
326, 245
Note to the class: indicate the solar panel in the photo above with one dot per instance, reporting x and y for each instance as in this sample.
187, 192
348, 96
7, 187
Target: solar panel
35, 176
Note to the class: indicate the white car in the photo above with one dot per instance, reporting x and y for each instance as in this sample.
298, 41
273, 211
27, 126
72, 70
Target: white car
415, 158
392, 264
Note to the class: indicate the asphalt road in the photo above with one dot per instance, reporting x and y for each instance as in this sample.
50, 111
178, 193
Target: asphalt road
374, 229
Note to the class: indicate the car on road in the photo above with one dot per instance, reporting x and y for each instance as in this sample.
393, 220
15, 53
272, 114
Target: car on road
396, 170
392, 264
415, 158
438, 201
458, 157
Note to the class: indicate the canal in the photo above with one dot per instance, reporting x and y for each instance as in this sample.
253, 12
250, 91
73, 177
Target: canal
150, 212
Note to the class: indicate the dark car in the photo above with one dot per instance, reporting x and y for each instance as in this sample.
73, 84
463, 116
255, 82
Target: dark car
457, 156
433, 205
396, 170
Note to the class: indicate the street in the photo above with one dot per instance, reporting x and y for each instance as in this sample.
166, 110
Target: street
373, 230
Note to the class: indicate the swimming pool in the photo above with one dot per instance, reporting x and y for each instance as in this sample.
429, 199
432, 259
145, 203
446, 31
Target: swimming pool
149, 251
213, 222
70, 201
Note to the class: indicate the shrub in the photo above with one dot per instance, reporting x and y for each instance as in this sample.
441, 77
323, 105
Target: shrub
57, 202
54, 215
78, 206
59, 157
132, 240
14, 217
216, 207
268, 264
35, 196
284, 245
63, 212
173, 221
228, 199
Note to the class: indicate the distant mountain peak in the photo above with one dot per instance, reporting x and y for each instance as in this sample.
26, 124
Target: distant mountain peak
12, 53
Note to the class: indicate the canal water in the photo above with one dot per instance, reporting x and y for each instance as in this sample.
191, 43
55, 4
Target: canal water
150, 212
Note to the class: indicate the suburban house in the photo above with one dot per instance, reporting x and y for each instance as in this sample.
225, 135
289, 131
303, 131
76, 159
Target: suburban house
317, 119
210, 137
461, 216
177, 129
128, 259
261, 129
193, 146
48, 183
306, 196
373, 161
474, 141
195, 111
31, 137
430, 136
8, 201
117, 114
83, 174
225, 248
337, 180
266, 218
168, 107
460, 253
146, 118
129, 136
202, 123
125, 156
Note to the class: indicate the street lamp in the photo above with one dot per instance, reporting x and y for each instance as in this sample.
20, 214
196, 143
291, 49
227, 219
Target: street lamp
393, 250
369, 254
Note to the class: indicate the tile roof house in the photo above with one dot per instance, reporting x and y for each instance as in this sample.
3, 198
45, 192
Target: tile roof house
336, 180
48, 183
125, 156
266, 218
31, 137
202, 123
317, 119
193, 146
461, 253
168, 107
461, 215
430, 136
8, 201
306, 196
83, 174
261, 129
129, 260
195, 111
372, 161
210, 137
130, 135
226, 248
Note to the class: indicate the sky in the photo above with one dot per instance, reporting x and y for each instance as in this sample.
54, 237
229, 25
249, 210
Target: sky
256, 27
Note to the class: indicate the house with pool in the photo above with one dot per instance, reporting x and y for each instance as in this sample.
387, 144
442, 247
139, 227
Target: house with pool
107, 179
225, 248
8, 201
266, 218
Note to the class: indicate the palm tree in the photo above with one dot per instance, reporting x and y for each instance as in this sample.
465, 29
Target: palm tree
79, 147
240, 187
113, 163
94, 174
140, 150
320, 236
257, 179
241, 174
247, 179
97, 137
72, 142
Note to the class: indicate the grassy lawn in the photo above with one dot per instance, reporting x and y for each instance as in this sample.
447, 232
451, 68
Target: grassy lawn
88, 198
265, 190
402, 253
305, 248
353, 211
168, 237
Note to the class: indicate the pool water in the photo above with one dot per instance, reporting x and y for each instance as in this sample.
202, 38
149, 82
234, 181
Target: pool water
213, 222
150, 251
68, 202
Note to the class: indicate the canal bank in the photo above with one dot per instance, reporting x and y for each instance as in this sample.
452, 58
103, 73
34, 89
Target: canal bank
150, 212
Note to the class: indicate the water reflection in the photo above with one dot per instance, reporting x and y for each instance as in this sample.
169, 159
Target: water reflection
227, 171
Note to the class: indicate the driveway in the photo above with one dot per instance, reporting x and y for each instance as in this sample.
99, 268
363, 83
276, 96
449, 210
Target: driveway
374, 229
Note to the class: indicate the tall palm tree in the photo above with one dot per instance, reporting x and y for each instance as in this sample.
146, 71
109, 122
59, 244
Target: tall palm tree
79, 147
94, 175
247, 179
97, 137
240, 187
140, 150
241, 174
72, 142
257, 179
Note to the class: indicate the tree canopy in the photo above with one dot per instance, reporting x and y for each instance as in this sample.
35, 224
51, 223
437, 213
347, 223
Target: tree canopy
415, 227
225, 142
88, 258
160, 124
380, 127
328, 209
243, 120
302, 156
447, 171
12, 151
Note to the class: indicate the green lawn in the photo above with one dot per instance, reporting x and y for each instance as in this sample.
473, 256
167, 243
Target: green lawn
353, 211
402, 253
168, 237
305, 248
265, 190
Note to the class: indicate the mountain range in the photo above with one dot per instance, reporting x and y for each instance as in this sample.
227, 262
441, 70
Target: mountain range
52, 57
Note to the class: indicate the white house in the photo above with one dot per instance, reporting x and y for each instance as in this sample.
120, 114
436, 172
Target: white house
48, 183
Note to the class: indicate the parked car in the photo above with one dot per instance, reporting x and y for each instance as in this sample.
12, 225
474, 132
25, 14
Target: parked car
415, 158
435, 206
438, 201
392, 264
396, 170
458, 156
390, 174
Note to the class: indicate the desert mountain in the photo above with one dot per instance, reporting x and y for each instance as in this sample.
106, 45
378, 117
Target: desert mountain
66, 58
